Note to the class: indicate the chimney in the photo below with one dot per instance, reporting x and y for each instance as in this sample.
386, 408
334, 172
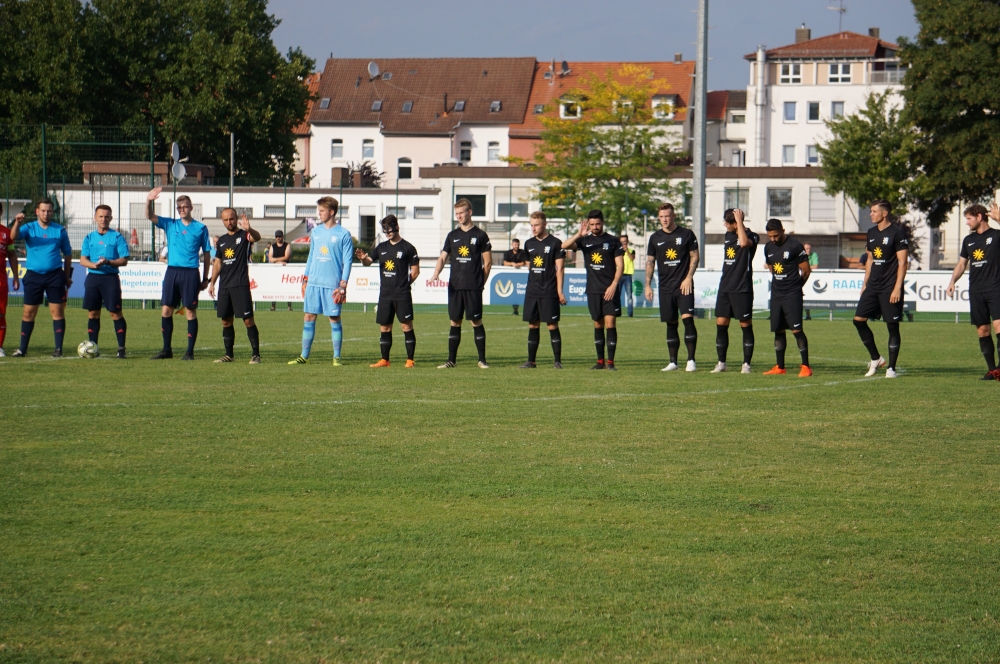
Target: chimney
678, 58
873, 32
802, 34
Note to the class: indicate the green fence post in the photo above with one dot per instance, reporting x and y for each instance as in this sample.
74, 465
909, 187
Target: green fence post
45, 174
285, 208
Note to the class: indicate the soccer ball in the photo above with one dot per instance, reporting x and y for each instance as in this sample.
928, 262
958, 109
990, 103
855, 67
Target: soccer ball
87, 350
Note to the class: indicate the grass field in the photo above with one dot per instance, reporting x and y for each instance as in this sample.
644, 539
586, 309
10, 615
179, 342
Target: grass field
180, 511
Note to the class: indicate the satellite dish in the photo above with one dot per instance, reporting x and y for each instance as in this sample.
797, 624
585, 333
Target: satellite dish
175, 151
372, 69
178, 171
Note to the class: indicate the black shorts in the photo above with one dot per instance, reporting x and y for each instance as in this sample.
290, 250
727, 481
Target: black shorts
786, 313
673, 304
983, 307
181, 286
102, 290
734, 305
235, 303
465, 302
875, 305
541, 309
599, 307
400, 306
39, 285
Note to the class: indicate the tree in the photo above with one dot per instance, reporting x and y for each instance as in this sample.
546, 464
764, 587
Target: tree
951, 93
611, 152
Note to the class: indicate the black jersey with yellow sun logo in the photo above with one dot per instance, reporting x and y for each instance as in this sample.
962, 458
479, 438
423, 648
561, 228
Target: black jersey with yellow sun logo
542, 256
883, 246
737, 268
394, 262
233, 251
980, 250
673, 256
466, 249
599, 253
785, 259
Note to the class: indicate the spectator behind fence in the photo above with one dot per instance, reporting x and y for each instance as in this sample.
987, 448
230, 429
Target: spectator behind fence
516, 257
279, 252
625, 285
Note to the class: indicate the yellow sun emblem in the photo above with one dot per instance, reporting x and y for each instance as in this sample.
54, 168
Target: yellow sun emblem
730, 252
671, 254
778, 268
978, 255
230, 253
596, 258
389, 266
877, 252
463, 251
323, 250
537, 261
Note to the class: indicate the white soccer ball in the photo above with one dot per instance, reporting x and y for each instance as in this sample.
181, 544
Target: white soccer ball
87, 350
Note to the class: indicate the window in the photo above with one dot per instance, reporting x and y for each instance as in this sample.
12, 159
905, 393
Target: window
569, 110
779, 203
405, 169
324, 102
790, 111
791, 74
376, 105
343, 211
822, 206
387, 76
423, 213
465, 153
737, 198
493, 151
407, 106
813, 115
508, 210
812, 155
837, 110
303, 211
738, 158
539, 109
337, 148
368, 149
398, 212
460, 105
274, 210
738, 118
840, 73
495, 107
788, 155
478, 203
664, 106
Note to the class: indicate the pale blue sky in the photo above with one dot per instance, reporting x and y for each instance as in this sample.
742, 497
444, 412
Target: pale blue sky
581, 30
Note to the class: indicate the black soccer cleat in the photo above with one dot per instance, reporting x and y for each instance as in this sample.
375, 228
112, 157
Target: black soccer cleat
224, 358
188, 356
528, 365
57, 352
611, 367
163, 355
597, 367
255, 359
991, 375
557, 365
121, 354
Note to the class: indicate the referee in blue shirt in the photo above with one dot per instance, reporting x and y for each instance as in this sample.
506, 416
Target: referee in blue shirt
103, 252
49, 272
181, 285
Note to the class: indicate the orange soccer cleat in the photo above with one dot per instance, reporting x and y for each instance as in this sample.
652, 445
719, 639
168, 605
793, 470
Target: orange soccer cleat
380, 364
410, 364
776, 371
805, 372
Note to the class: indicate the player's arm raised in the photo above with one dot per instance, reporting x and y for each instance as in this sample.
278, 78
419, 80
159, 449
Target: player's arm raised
612, 290
15, 228
687, 286
365, 259
741, 230
151, 205
957, 273
245, 227
570, 242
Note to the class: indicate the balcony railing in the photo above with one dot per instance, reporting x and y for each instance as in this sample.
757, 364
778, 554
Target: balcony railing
885, 72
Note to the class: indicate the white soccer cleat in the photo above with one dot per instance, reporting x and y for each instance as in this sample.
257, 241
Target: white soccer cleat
746, 368
690, 366
670, 367
874, 366
2, 354
890, 373
719, 368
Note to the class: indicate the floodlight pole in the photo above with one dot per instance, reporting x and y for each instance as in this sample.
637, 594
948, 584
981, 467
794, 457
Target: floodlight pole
700, 108
232, 152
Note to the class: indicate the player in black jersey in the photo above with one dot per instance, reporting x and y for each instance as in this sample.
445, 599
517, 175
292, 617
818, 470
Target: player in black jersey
981, 254
673, 253
544, 294
604, 260
882, 293
471, 261
231, 269
399, 267
735, 298
789, 264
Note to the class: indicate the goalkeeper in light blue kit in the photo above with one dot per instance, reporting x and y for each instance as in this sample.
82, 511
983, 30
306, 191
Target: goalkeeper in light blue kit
324, 286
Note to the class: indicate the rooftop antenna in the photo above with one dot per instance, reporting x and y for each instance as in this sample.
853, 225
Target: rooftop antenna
373, 70
841, 10
565, 68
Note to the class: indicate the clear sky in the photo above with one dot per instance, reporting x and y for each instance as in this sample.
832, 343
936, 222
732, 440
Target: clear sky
580, 30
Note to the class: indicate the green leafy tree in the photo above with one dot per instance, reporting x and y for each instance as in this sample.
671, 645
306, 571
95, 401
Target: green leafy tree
952, 94
616, 155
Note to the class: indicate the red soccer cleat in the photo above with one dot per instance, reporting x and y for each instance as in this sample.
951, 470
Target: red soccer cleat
776, 371
805, 372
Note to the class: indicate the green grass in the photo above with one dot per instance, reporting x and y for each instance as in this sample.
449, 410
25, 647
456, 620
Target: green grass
180, 511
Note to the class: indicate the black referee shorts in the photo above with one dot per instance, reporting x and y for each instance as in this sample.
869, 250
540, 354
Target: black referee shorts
541, 309
734, 305
875, 305
984, 307
102, 289
599, 307
673, 304
39, 285
399, 306
235, 303
786, 313
181, 286
464, 302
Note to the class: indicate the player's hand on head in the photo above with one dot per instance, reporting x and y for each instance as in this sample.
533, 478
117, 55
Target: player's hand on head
738, 215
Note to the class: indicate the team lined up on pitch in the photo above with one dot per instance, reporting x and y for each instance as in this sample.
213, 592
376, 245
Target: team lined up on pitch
672, 256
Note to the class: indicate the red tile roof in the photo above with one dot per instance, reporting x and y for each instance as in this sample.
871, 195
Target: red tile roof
839, 45
544, 91
424, 82
312, 82
717, 104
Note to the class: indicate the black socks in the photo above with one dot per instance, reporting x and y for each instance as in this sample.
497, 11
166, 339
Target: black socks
385, 344
868, 337
167, 327
780, 343
479, 334
748, 341
192, 335
722, 342
254, 336
555, 336
93, 329
894, 341
803, 343
599, 343
229, 339
26, 330
411, 343
59, 331
985, 345
612, 343
454, 339
534, 334
120, 328
673, 342
690, 337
